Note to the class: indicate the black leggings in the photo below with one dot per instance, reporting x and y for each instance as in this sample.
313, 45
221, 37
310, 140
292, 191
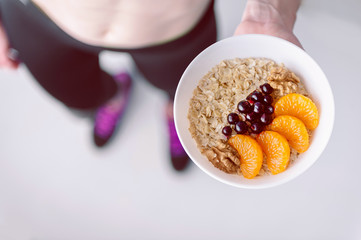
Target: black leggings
69, 69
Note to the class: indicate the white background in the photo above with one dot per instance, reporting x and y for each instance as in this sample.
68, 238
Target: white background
55, 185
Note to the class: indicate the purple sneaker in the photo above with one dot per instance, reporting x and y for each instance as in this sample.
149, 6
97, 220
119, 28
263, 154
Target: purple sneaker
108, 115
179, 157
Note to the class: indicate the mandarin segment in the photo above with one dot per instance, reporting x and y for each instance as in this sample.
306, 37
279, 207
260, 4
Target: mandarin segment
276, 149
293, 130
299, 106
250, 152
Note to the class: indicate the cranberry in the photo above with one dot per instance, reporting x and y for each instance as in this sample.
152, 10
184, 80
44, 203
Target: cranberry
233, 118
266, 119
249, 99
269, 109
258, 107
252, 117
257, 127
241, 127
266, 89
227, 131
267, 99
255, 96
244, 107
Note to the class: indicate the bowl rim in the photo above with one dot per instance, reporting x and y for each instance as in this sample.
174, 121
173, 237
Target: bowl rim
267, 184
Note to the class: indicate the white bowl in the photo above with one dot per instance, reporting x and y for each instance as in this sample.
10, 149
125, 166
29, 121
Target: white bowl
281, 51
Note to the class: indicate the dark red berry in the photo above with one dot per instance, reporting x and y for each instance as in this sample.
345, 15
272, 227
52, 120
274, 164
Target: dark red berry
258, 107
267, 99
269, 109
265, 119
249, 99
252, 117
256, 96
241, 127
227, 131
244, 107
266, 88
256, 127
233, 118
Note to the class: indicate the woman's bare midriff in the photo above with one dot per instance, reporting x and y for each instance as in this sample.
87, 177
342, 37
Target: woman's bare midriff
124, 23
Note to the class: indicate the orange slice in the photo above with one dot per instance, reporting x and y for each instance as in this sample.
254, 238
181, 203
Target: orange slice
299, 106
293, 130
250, 152
277, 150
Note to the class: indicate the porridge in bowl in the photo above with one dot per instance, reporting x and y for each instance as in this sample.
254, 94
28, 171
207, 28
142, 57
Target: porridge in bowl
251, 116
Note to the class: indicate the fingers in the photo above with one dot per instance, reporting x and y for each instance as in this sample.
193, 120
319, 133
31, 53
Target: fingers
9, 64
5, 60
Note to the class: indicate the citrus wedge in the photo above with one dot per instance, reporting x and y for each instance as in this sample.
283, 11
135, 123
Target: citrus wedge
250, 153
276, 149
299, 106
293, 130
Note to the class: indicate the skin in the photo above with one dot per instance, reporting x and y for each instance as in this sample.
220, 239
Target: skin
124, 23
5, 61
271, 17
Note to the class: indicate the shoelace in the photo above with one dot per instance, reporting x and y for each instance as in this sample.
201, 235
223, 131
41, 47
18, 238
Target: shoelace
108, 115
105, 122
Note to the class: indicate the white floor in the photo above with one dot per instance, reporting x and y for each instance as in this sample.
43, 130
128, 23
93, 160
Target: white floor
54, 185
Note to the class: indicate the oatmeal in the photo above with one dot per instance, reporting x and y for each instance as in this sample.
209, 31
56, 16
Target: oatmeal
218, 94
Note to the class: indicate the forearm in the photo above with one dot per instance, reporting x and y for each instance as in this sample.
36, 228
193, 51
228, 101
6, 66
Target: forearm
272, 11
